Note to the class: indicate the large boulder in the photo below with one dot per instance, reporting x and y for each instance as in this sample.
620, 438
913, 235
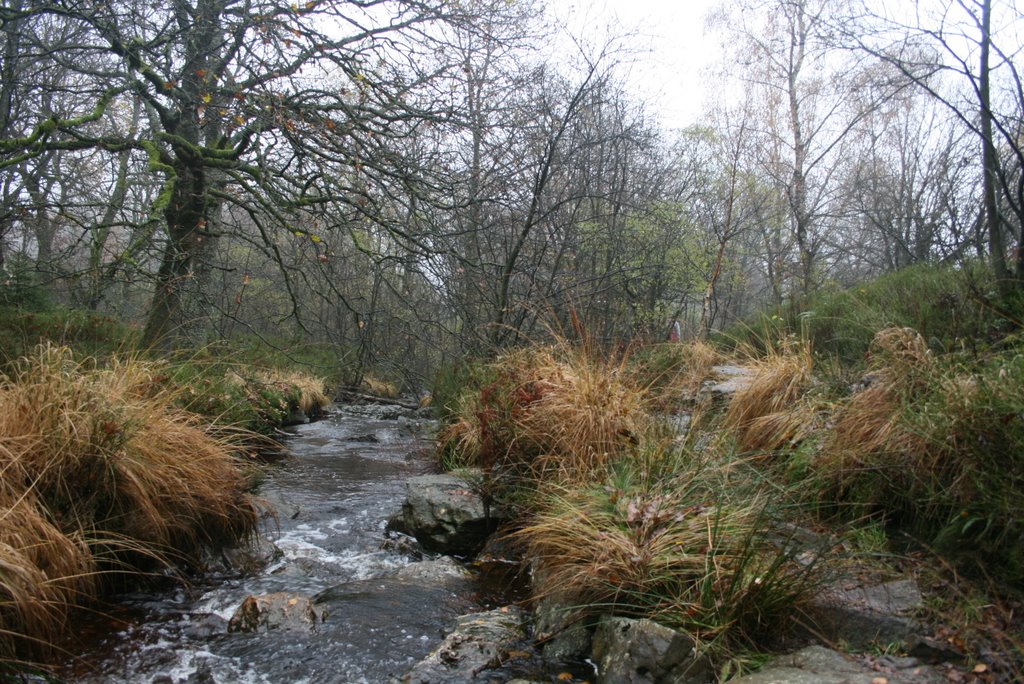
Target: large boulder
479, 642
446, 514
629, 651
279, 611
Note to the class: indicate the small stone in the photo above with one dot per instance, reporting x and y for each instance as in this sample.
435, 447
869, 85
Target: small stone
268, 612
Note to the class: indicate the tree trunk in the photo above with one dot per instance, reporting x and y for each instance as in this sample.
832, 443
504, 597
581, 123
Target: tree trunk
186, 216
990, 159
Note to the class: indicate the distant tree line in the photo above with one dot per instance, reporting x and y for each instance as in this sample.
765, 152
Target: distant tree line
412, 182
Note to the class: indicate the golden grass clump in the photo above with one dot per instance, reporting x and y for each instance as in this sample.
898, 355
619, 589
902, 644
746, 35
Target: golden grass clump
102, 477
378, 387
579, 410
870, 431
553, 411
311, 390
672, 549
768, 414
673, 370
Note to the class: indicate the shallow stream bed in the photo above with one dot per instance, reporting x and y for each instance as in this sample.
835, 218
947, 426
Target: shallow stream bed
343, 478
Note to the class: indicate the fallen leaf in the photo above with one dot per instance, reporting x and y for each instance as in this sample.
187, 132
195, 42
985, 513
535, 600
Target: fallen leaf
980, 668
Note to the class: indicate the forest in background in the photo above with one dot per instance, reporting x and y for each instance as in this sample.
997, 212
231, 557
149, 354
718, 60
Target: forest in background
410, 182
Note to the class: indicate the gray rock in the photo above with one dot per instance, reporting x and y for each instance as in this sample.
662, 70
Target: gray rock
446, 514
820, 665
249, 557
643, 652
932, 650
204, 625
402, 543
479, 642
559, 631
369, 438
437, 571
280, 611
859, 617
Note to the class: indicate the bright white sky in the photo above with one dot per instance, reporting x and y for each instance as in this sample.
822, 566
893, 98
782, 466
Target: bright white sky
672, 50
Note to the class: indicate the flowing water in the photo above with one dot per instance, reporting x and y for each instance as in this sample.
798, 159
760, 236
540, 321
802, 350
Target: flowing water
343, 478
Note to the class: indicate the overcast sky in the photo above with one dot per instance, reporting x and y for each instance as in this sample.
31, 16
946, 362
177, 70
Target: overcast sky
672, 50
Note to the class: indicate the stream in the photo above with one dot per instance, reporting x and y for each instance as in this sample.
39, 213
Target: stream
343, 477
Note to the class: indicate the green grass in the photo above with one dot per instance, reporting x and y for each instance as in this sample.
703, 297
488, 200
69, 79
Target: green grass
245, 383
952, 308
91, 334
669, 535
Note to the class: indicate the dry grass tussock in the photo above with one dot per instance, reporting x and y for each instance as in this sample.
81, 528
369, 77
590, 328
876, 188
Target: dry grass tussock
769, 413
550, 411
672, 549
870, 429
672, 370
312, 393
102, 476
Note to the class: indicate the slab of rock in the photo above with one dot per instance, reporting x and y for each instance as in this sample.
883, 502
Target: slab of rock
881, 614
439, 571
479, 642
820, 665
727, 381
629, 651
280, 611
559, 631
445, 514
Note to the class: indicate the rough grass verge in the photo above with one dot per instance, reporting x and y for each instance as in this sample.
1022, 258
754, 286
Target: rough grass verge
660, 537
104, 479
768, 413
548, 410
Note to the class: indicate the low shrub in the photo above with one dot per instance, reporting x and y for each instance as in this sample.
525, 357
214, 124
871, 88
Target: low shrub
951, 307
92, 334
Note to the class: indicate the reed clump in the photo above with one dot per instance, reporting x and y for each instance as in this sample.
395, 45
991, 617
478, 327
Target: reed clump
770, 412
551, 409
104, 479
663, 535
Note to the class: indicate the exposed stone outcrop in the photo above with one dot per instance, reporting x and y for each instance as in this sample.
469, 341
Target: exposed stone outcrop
820, 665
479, 642
446, 514
727, 381
861, 616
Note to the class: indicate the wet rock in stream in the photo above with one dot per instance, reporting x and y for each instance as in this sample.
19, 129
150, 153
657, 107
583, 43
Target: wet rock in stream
479, 642
446, 514
631, 651
283, 611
